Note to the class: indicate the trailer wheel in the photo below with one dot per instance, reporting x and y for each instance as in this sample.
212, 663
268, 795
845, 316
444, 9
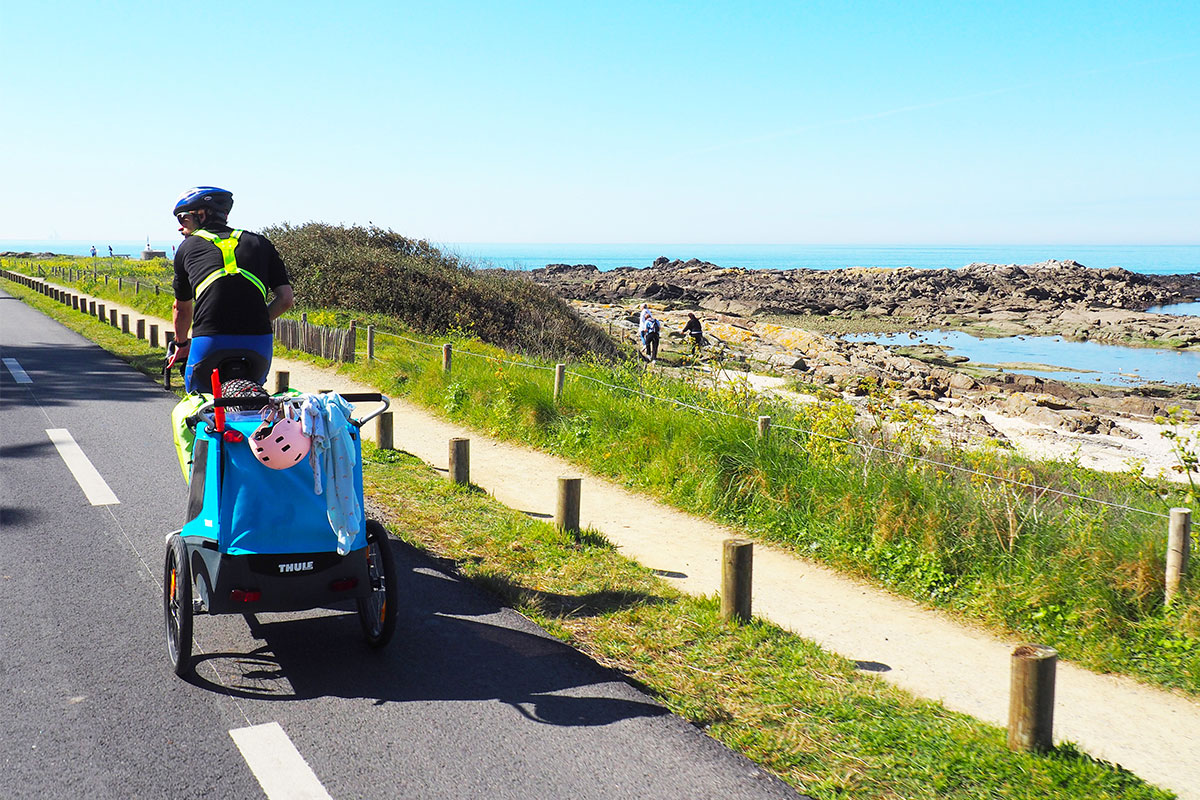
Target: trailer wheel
377, 613
177, 605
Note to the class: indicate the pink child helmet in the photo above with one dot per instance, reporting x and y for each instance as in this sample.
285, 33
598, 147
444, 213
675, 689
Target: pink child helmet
280, 442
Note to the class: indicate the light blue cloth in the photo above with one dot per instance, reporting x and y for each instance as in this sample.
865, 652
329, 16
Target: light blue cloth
326, 418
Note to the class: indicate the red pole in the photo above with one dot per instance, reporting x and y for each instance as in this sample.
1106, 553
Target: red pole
218, 412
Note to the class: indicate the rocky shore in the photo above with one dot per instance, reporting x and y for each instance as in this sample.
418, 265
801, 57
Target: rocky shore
1050, 298
754, 321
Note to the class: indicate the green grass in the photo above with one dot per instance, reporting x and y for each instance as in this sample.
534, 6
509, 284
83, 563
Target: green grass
1084, 578
806, 715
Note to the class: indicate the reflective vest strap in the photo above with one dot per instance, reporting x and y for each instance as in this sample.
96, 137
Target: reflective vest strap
229, 260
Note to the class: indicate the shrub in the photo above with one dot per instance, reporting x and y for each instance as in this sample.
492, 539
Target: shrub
379, 271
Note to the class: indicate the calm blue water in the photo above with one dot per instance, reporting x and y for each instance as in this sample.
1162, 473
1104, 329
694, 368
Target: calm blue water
1112, 365
1154, 259
69, 248
1151, 259
1108, 364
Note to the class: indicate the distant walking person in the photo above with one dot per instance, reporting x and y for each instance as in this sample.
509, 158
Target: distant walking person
649, 332
222, 280
110, 251
694, 332
93, 251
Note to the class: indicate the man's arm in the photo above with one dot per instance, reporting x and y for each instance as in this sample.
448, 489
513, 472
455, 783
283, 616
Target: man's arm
284, 299
181, 318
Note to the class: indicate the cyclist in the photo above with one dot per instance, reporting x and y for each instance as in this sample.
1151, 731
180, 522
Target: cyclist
222, 280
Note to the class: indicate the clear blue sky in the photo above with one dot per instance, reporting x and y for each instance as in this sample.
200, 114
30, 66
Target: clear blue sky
704, 122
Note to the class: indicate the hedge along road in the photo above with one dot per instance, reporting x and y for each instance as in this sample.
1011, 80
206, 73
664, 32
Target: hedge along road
471, 699
1153, 733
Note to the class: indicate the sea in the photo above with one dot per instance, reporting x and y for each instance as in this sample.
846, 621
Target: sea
1154, 259
1043, 356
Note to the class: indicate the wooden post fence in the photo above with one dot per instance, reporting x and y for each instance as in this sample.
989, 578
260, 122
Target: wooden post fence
282, 378
1031, 699
566, 512
737, 572
446, 350
764, 427
560, 374
383, 431
1179, 544
460, 461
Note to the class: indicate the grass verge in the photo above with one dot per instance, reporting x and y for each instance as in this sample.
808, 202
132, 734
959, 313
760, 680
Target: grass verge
805, 715
1083, 577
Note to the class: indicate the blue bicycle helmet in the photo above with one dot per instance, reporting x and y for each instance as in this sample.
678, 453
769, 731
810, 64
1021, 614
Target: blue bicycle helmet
210, 198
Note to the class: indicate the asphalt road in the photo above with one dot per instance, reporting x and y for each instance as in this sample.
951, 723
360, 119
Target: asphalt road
470, 700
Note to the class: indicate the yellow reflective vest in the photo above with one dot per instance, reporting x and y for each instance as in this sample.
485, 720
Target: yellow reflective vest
227, 247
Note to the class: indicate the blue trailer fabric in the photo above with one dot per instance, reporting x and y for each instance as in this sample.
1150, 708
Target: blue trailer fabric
263, 510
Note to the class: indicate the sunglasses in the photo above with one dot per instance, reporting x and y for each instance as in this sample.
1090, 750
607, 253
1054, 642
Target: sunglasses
184, 216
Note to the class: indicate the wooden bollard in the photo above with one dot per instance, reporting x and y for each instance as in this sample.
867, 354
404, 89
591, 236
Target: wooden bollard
112, 317
154, 334
764, 427
560, 375
92, 307
370, 343
102, 313
383, 431
1179, 545
1031, 699
566, 512
737, 572
125, 323
141, 328
446, 350
460, 461
282, 379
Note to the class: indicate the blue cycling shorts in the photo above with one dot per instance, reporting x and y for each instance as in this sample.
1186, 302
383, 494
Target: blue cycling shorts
202, 346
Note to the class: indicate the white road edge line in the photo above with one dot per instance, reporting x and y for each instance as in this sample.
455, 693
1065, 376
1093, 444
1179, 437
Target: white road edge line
86, 475
281, 770
19, 374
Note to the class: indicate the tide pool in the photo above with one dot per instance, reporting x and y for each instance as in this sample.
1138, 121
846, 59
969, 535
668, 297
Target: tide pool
1179, 309
1112, 365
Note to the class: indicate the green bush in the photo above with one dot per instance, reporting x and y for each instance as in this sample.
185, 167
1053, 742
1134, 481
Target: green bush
378, 271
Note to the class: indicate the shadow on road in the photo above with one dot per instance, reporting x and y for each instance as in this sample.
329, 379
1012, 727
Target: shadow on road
61, 374
453, 642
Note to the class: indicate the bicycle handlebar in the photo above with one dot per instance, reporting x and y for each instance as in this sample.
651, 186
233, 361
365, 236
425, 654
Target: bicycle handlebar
259, 403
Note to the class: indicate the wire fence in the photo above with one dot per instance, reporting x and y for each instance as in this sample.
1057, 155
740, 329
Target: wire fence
867, 447
340, 344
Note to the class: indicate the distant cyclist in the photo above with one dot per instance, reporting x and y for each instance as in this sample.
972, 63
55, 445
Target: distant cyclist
223, 278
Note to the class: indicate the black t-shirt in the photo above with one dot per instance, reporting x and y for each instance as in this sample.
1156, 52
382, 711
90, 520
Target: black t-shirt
230, 305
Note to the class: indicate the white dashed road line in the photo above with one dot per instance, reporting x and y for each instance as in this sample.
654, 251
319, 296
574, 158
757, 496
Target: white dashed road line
281, 770
86, 475
18, 374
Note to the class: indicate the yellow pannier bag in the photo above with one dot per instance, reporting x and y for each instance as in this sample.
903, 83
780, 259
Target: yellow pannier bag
184, 437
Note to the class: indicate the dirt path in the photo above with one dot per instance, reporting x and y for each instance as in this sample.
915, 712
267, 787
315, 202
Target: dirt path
1151, 732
